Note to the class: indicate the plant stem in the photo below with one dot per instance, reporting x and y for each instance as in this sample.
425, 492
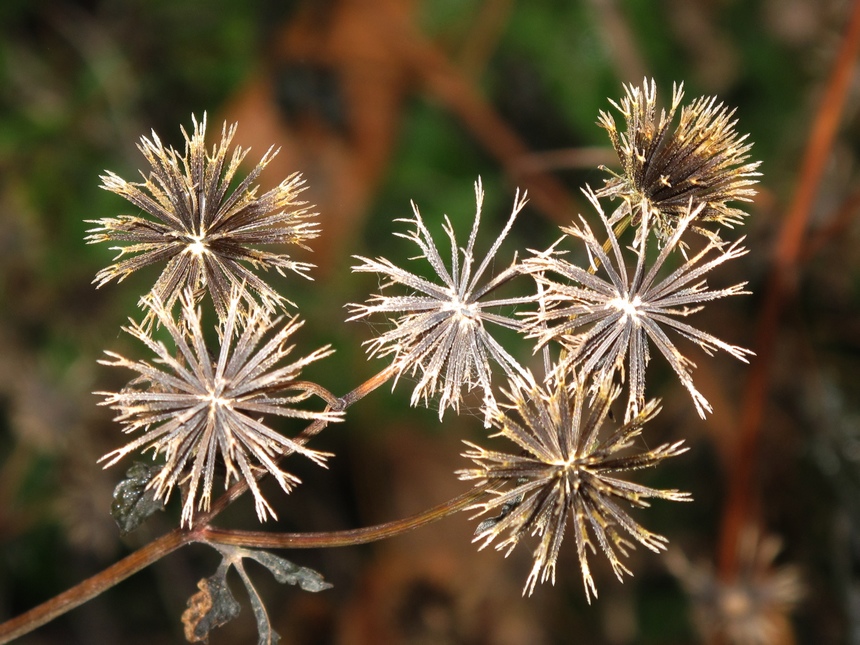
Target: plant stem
92, 587
200, 532
339, 405
366, 388
350, 537
154, 551
781, 284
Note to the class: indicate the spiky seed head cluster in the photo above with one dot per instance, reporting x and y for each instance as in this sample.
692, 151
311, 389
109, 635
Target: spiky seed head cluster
607, 316
205, 231
194, 410
439, 328
666, 166
206, 224
568, 469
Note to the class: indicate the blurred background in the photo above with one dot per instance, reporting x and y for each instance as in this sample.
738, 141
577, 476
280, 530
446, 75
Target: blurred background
379, 102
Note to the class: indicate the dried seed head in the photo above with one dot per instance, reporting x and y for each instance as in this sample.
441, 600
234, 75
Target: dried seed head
204, 231
440, 331
605, 324
194, 409
566, 470
701, 161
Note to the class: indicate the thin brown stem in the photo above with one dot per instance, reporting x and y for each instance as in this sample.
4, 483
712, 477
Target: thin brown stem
314, 388
780, 286
328, 539
337, 405
154, 551
92, 587
157, 549
367, 387
484, 35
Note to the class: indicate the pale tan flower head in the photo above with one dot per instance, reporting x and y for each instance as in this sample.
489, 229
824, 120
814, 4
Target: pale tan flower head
567, 469
605, 317
440, 331
195, 410
206, 232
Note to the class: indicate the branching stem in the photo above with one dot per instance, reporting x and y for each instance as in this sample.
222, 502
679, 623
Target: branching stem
94, 586
202, 532
350, 537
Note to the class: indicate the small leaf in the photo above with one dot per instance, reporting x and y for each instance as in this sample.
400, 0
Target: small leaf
211, 607
289, 573
133, 502
214, 605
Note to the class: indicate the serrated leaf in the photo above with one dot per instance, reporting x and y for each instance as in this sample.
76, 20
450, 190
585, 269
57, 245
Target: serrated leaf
214, 605
287, 572
133, 502
211, 607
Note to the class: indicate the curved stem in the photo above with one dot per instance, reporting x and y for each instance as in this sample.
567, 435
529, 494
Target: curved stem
314, 388
92, 587
366, 388
338, 405
350, 537
157, 549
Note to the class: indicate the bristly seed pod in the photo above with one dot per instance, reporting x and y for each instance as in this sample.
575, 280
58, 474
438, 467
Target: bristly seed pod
440, 331
701, 161
605, 322
195, 409
205, 232
568, 470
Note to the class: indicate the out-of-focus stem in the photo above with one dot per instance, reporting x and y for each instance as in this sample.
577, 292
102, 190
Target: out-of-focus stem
781, 284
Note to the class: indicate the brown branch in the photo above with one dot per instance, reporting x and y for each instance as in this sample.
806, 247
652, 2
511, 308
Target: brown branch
157, 549
92, 587
781, 285
484, 35
447, 84
328, 539
619, 40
